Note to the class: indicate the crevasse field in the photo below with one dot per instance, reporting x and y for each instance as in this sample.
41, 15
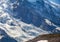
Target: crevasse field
22, 20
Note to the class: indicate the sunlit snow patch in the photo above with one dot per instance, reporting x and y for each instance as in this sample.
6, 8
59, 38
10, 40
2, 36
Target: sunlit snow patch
43, 41
1, 36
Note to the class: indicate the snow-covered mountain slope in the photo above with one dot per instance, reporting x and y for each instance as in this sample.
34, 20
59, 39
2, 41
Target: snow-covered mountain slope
18, 29
23, 20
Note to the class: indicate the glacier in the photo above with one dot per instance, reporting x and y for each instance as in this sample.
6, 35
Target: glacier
23, 20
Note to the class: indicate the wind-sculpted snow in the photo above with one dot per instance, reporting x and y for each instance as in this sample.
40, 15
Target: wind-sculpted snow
22, 20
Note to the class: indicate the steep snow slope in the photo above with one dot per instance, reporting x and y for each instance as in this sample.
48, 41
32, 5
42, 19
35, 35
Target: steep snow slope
23, 20
16, 29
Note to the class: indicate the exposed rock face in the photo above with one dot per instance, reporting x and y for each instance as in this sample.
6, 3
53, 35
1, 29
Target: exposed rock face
49, 37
